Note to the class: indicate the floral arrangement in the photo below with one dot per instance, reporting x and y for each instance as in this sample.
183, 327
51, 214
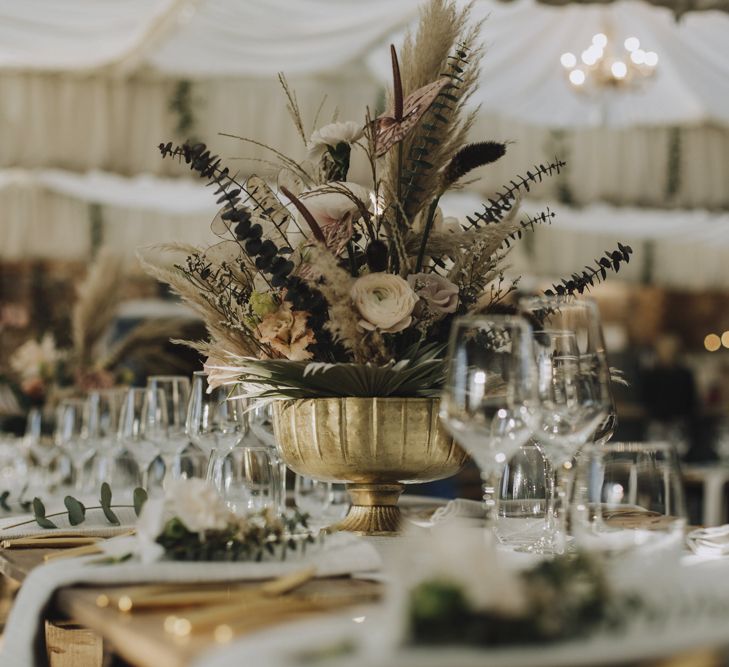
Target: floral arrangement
322, 286
462, 592
42, 371
192, 522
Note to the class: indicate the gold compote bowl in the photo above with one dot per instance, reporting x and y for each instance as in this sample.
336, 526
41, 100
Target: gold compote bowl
375, 445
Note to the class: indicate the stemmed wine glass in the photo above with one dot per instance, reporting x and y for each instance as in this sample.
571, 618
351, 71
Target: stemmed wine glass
489, 383
39, 439
104, 410
215, 421
172, 439
573, 393
138, 420
75, 436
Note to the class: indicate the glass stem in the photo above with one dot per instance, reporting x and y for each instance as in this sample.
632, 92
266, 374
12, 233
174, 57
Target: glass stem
562, 491
490, 481
145, 477
78, 472
551, 508
212, 461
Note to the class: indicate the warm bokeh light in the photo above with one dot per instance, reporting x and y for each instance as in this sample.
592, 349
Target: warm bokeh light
638, 56
619, 69
600, 40
568, 60
712, 342
577, 77
651, 58
725, 339
631, 44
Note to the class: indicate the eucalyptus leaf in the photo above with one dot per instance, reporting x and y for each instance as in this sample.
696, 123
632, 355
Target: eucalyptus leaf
39, 510
76, 510
4, 500
140, 497
105, 496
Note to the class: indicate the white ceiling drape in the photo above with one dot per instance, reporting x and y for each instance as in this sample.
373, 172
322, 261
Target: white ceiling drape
521, 75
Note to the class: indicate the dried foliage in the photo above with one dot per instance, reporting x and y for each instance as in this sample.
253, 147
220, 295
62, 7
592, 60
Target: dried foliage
347, 281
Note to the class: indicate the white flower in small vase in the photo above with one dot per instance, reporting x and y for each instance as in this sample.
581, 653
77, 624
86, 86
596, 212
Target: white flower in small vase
35, 358
331, 136
439, 294
384, 301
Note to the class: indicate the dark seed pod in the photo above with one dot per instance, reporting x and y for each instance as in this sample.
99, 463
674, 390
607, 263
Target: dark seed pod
263, 262
377, 256
256, 231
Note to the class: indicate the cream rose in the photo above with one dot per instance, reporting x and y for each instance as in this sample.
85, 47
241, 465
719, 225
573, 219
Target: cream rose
287, 333
332, 135
439, 294
384, 301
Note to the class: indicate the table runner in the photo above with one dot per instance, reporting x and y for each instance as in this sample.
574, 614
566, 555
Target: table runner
341, 555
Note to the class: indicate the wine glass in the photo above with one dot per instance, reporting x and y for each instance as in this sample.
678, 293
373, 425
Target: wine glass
74, 436
215, 422
489, 383
261, 426
312, 497
104, 410
137, 424
523, 497
38, 437
249, 479
172, 439
628, 496
573, 392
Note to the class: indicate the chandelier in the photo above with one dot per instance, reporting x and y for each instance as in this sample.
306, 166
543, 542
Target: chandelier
604, 65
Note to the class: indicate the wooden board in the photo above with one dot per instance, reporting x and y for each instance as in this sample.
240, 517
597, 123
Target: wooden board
140, 637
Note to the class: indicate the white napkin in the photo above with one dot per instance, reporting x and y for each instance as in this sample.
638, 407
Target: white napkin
95, 524
342, 554
459, 508
709, 541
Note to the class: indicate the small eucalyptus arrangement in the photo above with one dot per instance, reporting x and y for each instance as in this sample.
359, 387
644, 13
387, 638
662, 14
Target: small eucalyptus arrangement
192, 522
564, 598
255, 537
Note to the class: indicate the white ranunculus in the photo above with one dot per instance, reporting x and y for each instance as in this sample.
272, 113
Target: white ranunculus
384, 301
197, 504
331, 135
439, 294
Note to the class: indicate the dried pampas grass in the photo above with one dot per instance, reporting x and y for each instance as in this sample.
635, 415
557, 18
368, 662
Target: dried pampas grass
98, 298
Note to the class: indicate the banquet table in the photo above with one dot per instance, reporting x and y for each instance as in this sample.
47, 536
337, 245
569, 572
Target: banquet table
81, 624
82, 627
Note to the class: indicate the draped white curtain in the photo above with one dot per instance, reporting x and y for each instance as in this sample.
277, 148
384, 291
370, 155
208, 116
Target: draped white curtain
682, 248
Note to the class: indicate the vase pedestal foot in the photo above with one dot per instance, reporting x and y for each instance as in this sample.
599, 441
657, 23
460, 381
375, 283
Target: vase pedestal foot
374, 510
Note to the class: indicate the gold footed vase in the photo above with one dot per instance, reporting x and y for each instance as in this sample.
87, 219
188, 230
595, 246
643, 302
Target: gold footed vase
375, 445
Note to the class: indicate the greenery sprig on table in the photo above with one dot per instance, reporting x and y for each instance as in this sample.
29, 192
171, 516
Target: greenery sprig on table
567, 597
75, 509
251, 538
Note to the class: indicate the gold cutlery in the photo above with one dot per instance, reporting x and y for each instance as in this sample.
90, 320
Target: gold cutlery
54, 542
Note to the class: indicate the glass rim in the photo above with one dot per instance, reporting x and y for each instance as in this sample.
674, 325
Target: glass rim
515, 319
630, 447
168, 377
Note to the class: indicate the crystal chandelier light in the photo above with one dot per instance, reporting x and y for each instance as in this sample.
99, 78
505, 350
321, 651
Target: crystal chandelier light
604, 65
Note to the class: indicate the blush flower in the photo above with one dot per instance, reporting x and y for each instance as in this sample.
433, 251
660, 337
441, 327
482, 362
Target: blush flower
287, 333
334, 206
384, 301
439, 294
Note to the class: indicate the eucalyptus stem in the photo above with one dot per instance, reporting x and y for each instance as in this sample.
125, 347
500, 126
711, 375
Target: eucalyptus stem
65, 513
426, 233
